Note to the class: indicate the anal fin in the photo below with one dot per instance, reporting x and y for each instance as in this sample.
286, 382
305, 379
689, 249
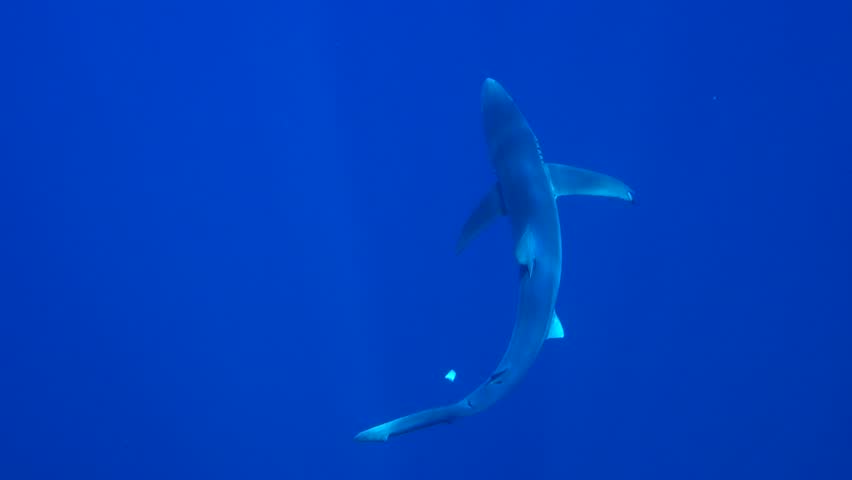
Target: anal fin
556, 330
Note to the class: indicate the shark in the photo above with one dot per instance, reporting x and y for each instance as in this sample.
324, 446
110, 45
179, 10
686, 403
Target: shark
525, 192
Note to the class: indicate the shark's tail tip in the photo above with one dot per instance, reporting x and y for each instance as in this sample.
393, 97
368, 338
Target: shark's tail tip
374, 434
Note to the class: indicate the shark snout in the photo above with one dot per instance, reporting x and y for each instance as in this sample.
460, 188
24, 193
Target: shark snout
498, 109
492, 90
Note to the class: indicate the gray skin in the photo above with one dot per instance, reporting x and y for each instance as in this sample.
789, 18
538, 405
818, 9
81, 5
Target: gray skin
525, 193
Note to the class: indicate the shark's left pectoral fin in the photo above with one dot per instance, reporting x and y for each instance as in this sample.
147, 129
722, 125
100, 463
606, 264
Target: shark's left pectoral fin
489, 208
556, 330
568, 180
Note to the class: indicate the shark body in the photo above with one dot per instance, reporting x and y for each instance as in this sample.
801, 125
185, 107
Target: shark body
525, 193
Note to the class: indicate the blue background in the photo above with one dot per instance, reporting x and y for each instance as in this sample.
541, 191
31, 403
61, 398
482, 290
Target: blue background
228, 235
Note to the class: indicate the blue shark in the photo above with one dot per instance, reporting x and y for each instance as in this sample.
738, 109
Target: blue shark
525, 192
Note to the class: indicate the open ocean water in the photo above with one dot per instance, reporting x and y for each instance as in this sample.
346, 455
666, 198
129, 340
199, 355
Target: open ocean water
228, 234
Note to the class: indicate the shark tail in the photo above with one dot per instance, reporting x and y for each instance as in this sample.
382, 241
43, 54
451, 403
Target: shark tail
415, 421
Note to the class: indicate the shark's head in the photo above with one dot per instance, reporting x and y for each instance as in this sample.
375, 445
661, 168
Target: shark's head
501, 119
498, 108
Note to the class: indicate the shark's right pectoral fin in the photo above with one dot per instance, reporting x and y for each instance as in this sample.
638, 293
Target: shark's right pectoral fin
489, 208
567, 180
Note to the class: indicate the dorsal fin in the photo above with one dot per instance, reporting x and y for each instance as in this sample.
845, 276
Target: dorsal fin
525, 251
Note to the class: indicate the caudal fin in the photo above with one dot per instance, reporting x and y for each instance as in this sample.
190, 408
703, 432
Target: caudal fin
375, 434
410, 423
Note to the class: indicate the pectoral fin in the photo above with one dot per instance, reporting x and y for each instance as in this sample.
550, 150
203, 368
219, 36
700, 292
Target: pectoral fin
490, 207
567, 180
556, 330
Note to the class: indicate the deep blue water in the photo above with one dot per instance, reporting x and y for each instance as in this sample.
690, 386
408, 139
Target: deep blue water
228, 239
